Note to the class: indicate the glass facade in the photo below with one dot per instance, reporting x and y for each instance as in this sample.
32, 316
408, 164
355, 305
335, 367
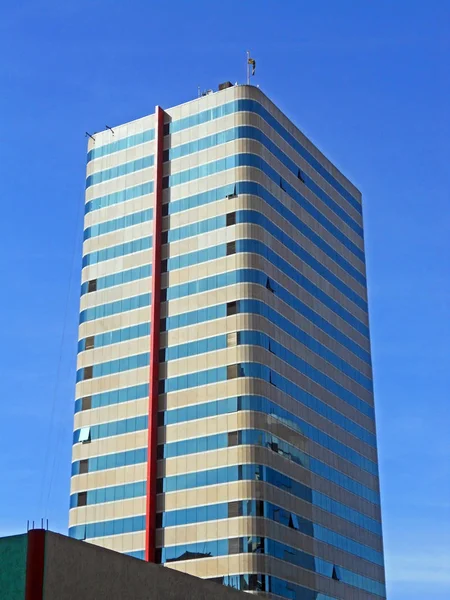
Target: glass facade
266, 461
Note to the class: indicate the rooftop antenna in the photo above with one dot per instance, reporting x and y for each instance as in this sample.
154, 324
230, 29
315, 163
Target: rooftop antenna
110, 128
199, 92
251, 67
89, 135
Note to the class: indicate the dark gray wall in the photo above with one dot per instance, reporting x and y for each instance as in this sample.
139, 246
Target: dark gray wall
75, 570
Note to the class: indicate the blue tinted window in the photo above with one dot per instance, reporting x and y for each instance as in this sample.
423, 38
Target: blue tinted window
119, 278
120, 170
118, 396
117, 197
123, 144
116, 224
113, 308
115, 251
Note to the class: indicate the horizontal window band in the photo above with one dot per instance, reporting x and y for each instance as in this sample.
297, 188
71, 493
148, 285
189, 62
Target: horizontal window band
224, 280
226, 510
111, 367
264, 405
226, 406
269, 547
264, 373
254, 246
221, 475
120, 170
246, 437
243, 187
242, 105
120, 278
123, 144
255, 437
143, 189
112, 397
252, 160
258, 277
253, 133
181, 351
119, 223
113, 308
112, 252
260, 508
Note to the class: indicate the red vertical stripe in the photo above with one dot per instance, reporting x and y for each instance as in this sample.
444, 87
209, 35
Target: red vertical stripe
34, 586
154, 342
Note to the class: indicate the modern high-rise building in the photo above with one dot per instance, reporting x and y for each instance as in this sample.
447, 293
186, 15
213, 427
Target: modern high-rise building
224, 413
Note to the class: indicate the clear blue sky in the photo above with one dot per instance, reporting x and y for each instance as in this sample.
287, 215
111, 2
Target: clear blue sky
368, 82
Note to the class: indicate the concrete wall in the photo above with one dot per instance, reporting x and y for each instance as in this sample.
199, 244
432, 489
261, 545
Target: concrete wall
77, 570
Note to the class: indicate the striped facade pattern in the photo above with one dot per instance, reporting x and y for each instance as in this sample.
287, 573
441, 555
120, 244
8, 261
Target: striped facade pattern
267, 476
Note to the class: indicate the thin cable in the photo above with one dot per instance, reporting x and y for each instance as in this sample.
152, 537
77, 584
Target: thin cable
57, 378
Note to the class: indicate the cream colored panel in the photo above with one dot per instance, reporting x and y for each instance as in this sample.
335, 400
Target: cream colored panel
272, 425
127, 542
107, 512
116, 211
247, 490
258, 455
111, 477
119, 183
121, 157
120, 236
214, 567
124, 319
109, 445
114, 351
115, 412
111, 382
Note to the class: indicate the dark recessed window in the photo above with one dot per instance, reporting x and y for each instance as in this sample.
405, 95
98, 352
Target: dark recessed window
159, 485
158, 556
234, 509
160, 418
269, 285
162, 355
164, 237
233, 438
86, 403
231, 248
231, 219
163, 292
160, 452
162, 325
82, 499
300, 176
159, 520
233, 371
166, 128
84, 466
231, 308
281, 183
92, 285
259, 508
271, 381
161, 386
235, 546
165, 207
89, 343
88, 372
165, 155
